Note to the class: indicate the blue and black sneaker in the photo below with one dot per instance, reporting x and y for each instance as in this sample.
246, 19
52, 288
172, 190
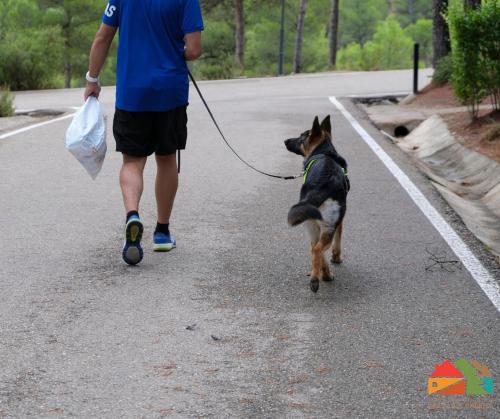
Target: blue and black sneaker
132, 250
163, 242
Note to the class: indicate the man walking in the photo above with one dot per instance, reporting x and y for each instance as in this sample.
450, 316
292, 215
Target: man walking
156, 39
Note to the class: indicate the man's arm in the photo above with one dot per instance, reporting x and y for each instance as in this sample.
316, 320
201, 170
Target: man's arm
194, 47
98, 54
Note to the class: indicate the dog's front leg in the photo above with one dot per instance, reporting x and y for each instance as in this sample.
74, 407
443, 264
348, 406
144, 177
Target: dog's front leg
325, 271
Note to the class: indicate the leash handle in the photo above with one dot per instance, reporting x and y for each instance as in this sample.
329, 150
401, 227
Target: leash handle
227, 142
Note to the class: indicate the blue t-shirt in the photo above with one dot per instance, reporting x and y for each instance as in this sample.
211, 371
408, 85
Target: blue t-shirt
151, 69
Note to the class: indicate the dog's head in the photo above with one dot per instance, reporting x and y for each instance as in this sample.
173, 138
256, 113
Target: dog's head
309, 140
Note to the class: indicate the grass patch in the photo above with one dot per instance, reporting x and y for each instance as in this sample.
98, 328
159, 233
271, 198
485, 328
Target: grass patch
6, 102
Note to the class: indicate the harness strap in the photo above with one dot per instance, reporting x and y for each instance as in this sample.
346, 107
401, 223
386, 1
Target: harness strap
309, 165
308, 168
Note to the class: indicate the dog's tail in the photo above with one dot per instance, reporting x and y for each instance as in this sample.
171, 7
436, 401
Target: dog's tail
301, 212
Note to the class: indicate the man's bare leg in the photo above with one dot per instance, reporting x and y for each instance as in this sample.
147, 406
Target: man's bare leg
166, 186
131, 181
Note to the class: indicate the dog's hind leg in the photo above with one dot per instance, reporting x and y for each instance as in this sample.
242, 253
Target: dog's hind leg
337, 248
313, 232
320, 268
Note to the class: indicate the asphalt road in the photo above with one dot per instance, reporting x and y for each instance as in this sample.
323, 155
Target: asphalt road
83, 335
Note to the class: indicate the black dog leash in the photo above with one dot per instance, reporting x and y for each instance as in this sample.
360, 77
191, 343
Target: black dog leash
227, 143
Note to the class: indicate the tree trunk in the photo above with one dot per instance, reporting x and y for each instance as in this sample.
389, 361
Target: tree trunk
391, 7
67, 75
472, 4
333, 33
299, 40
411, 10
440, 31
240, 33
68, 67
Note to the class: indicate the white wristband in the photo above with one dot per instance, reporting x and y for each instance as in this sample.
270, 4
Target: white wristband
91, 79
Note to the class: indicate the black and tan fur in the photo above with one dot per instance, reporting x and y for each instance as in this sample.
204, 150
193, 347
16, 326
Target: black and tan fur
323, 196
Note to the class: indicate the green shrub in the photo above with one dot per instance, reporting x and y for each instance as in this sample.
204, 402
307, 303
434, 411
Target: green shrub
259, 51
315, 53
29, 59
421, 32
390, 48
217, 61
393, 47
6, 102
490, 48
475, 37
350, 57
211, 70
444, 70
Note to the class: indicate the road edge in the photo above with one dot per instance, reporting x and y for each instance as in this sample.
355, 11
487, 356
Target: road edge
33, 126
457, 244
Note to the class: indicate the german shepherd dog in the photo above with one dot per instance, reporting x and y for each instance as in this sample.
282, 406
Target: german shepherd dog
323, 196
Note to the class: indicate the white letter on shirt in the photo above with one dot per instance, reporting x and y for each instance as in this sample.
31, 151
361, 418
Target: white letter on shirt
110, 10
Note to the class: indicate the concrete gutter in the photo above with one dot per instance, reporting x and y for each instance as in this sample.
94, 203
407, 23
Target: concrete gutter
389, 116
468, 181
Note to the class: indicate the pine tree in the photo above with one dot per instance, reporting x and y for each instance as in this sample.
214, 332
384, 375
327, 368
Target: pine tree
333, 33
240, 33
73, 16
440, 31
299, 39
472, 4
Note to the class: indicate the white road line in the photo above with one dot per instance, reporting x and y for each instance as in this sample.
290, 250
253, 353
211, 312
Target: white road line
30, 127
473, 265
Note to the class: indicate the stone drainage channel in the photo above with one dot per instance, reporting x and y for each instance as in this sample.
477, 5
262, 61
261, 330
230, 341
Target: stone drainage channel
467, 180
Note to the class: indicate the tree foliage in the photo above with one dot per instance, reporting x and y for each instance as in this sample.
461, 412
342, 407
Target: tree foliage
27, 54
77, 22
45, 43
475, 35
390, 47
359, 21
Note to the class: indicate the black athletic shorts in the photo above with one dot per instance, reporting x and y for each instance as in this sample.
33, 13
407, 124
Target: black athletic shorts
141, 134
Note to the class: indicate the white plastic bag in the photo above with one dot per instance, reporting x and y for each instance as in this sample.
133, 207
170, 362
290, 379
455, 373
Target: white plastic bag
86, 136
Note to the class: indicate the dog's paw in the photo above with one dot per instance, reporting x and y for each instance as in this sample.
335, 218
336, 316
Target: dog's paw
336, 259
314, 284
328, 278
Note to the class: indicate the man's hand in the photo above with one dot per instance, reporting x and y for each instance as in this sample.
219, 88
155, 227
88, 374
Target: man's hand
92, 89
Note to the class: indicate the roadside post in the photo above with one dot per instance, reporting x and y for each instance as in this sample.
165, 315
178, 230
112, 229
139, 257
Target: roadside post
416, 59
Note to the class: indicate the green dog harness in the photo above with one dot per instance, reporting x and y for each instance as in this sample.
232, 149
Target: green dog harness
311, 164
308, 168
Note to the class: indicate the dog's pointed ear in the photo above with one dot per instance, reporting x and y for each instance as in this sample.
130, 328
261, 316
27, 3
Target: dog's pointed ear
316, 128
326, 125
